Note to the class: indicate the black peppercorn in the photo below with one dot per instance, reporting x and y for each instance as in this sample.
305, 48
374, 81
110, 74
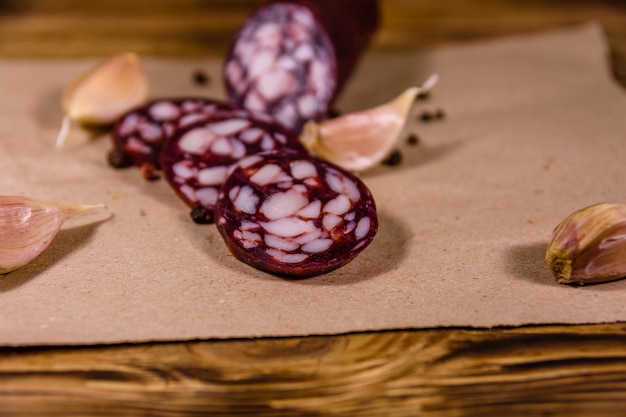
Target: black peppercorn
118, 159
332, 113
413, 139
426, 116
200, 215
200, 78
422, 95
395, 158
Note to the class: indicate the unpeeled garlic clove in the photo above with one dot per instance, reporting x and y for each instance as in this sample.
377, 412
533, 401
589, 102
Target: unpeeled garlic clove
589, 246
360, 140
28, 226
106, 92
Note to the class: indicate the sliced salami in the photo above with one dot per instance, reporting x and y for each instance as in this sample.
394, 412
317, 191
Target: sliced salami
198, 157
290, 59
294, 215
139, 135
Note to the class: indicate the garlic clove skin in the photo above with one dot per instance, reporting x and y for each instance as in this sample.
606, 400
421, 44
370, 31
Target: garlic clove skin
589, 246
360, 140
28, 226
103, 94
107, 91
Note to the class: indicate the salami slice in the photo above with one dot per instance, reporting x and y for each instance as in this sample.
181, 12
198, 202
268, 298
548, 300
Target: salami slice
290, 59
197, 158
139, 135
294, 215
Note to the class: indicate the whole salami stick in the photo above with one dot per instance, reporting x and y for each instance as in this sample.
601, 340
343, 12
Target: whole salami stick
290, 59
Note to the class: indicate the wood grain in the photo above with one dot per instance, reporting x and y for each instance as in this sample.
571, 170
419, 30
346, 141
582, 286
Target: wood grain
65, 28
546, 370
529, 371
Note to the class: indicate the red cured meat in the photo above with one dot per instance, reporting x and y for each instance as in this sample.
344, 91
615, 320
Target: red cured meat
294, 215
291, 59
139, 135
197, 159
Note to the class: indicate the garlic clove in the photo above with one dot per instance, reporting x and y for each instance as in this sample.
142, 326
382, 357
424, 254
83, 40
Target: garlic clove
589, 246
358, 141
28, 226
109, 90
103, 94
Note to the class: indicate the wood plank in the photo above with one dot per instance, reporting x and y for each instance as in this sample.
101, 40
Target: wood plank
78, 28
545, 370
72, 28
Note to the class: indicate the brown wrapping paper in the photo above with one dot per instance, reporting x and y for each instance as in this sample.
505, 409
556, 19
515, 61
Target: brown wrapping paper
534, 129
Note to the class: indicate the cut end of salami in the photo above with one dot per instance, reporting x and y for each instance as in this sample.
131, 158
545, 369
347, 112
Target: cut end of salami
294, 215
198, 158
282, 64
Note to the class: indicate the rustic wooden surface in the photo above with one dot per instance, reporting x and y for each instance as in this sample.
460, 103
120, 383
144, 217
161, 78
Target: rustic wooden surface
528, 371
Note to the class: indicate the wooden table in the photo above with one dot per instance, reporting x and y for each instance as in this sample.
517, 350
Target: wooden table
528, 371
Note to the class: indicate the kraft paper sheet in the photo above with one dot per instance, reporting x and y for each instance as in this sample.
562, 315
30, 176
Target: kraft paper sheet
534, 128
